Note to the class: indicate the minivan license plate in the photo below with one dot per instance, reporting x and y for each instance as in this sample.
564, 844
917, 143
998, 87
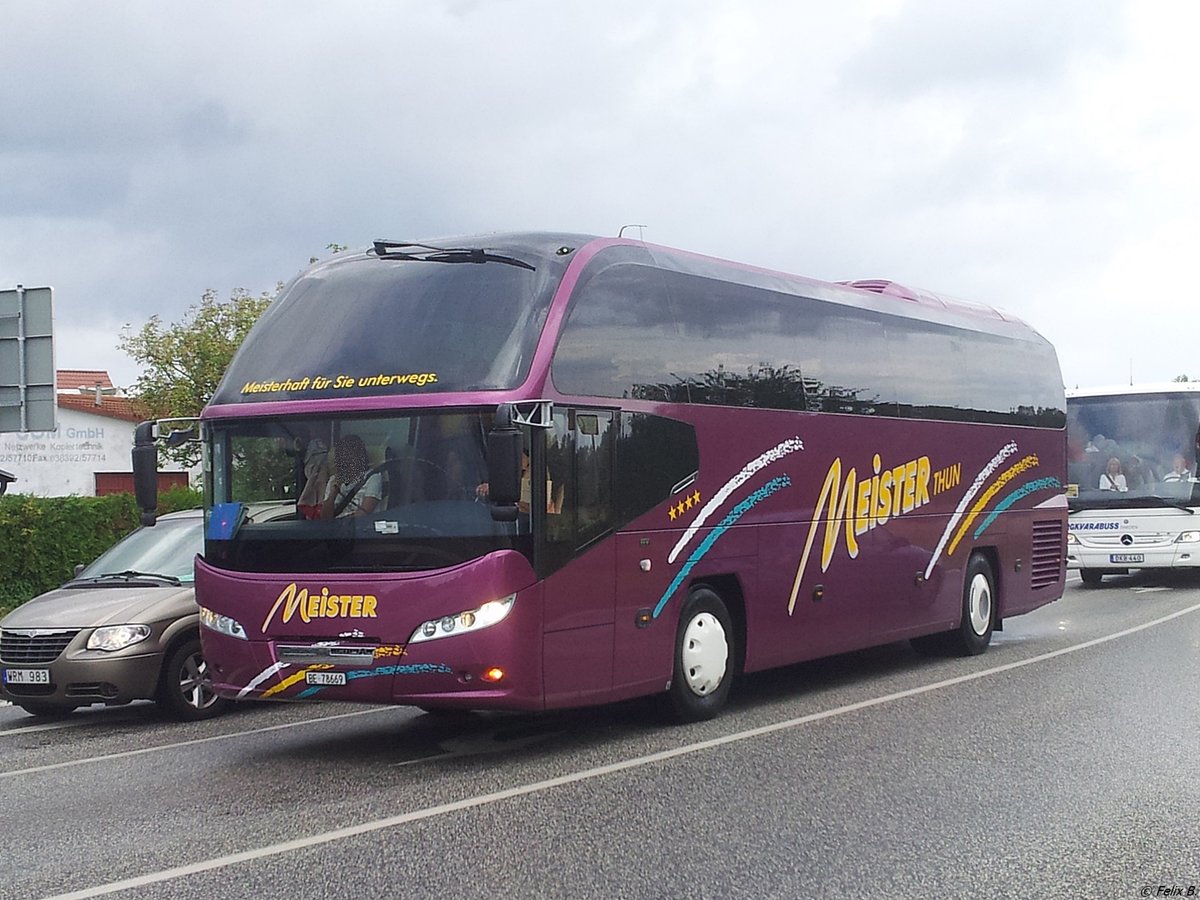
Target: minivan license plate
26, 676
325, 678
1126, 557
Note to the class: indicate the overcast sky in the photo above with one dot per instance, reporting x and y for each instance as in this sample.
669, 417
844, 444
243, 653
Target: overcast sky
1037, 156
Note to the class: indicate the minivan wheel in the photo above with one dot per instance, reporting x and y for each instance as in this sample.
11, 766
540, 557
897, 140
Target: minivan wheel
185, 689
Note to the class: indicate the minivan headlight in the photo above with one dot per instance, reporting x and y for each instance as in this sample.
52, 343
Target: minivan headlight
117, 637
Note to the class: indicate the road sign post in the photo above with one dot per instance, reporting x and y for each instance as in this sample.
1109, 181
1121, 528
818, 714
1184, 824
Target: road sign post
27, 387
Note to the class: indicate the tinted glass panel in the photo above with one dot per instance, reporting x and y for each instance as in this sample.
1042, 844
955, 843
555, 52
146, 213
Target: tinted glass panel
950, 373
639, 332
656, 458
369, 326
579, 458
645, 333
380, 493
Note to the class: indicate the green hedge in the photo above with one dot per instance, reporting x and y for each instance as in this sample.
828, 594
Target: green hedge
42, 539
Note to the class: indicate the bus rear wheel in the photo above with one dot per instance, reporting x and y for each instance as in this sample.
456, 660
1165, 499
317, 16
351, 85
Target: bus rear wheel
974, 631
704, 658
979, 608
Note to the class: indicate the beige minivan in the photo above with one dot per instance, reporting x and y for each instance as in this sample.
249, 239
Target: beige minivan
124, 628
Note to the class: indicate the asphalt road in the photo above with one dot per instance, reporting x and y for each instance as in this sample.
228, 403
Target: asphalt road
1063, 762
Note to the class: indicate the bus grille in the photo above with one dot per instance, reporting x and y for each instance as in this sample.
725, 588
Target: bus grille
33, 646
1047, 560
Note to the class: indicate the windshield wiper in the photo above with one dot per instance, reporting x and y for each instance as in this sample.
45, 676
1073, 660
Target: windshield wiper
426, 253
130, 575
1125, 502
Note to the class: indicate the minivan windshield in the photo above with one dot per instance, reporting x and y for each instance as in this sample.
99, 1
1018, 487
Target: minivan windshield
167, 550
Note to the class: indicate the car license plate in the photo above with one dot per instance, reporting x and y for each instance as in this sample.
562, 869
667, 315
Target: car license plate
1126, 558
325, 678
26, 676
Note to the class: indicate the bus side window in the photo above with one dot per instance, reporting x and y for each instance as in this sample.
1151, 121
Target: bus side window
580, 504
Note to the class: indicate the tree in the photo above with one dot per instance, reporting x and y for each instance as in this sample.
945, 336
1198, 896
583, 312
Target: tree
183, 362
1180, 378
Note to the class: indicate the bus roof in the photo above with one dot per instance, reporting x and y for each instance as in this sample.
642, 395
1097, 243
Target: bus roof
1133, 390
399, 319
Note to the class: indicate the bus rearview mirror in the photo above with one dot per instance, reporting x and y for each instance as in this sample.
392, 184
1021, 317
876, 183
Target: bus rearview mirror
145, 472
504, 469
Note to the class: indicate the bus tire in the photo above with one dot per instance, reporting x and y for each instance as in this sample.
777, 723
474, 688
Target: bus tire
1091, 577
974, 631
185, 688
704, 658
979, 608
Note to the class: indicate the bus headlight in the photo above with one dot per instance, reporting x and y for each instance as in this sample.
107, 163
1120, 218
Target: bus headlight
464, 622
1071, 539
222, 624
1188, 537
117, 637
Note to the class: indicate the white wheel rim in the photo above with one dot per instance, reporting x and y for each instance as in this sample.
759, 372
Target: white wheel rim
979, 604
704, 655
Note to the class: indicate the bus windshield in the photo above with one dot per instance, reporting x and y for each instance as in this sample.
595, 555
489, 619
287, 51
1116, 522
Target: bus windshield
366, 326
369, 494
1133, 450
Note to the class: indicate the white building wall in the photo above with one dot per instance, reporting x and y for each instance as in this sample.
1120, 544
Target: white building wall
65, 461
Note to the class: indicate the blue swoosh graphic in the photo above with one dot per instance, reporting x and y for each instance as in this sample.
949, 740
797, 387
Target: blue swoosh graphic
1025, 490
775, 484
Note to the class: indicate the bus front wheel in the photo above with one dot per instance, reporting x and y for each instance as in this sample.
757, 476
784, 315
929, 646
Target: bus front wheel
1091, 577
703, 668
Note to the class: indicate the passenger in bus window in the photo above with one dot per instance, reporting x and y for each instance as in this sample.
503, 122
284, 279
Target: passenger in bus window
1179, 470
316, 478
1112, 479
1137, 473
350, 465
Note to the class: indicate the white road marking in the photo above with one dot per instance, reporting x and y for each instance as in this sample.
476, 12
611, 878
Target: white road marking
536, 787
204, 740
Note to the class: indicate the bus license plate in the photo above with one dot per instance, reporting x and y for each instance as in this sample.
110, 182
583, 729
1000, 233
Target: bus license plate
26, 676
1126, 558
325, 678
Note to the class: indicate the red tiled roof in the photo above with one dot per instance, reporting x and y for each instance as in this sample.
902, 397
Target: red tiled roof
123, 408
74, 379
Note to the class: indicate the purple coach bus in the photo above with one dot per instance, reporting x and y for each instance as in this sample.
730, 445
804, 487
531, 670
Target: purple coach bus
534, 471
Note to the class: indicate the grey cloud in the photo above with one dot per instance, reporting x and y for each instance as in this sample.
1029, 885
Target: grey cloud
955, 46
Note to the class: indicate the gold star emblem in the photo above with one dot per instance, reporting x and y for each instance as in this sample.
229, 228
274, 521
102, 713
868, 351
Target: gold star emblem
671, 513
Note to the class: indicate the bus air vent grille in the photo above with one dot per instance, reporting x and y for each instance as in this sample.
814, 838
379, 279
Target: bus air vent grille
1047, 558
